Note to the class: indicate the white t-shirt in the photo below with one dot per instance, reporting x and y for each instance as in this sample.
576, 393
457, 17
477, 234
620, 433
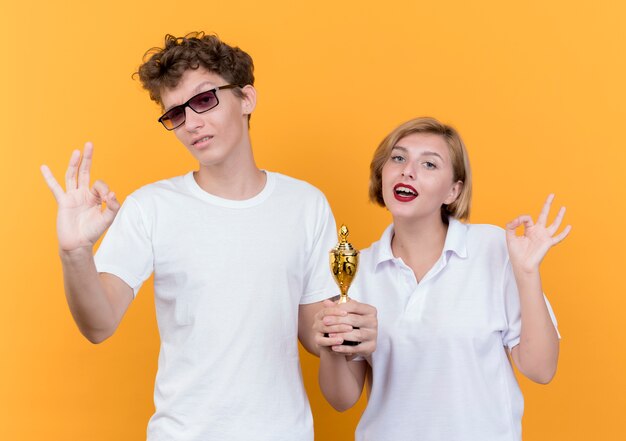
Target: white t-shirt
440, 369
229, 277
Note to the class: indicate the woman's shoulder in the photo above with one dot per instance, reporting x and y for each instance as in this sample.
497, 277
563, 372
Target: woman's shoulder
486, 238
485, 231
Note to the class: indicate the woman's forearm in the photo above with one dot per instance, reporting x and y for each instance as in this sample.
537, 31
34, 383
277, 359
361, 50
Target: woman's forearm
537, 354
341, 381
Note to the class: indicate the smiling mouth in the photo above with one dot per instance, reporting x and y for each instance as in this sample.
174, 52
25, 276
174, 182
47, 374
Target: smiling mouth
404, 193
205, 139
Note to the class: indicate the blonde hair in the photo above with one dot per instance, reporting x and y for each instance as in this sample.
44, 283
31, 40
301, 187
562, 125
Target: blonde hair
460, 208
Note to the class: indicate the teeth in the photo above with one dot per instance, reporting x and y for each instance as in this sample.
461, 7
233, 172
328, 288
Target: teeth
405, 191
206, 138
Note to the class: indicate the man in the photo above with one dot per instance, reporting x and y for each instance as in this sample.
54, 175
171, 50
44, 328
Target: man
239, 257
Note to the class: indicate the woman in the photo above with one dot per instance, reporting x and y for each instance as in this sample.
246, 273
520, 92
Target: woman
454, 302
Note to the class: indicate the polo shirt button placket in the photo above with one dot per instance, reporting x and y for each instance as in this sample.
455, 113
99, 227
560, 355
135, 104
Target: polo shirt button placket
415, 292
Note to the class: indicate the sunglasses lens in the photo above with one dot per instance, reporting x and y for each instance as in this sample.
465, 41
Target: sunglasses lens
173, 118
200, 103
203, 102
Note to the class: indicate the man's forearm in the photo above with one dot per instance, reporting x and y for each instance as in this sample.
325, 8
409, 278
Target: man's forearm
87, 296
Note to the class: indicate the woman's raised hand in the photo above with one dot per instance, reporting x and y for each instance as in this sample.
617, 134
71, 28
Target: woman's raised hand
528, 250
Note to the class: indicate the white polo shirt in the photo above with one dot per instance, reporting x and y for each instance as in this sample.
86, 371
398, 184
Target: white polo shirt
440, 369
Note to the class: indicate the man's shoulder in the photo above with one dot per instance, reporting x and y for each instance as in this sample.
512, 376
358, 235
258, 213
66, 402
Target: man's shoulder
159, 196
165, 186
294, 186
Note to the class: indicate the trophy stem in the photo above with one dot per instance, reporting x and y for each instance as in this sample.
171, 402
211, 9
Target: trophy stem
343, 297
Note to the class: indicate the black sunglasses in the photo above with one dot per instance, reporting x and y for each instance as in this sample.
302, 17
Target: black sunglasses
200, 103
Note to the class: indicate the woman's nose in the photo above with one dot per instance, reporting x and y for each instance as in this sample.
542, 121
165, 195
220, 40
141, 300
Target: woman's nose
408, 171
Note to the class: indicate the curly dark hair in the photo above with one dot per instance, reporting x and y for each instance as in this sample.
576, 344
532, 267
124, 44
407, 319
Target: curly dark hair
164, 67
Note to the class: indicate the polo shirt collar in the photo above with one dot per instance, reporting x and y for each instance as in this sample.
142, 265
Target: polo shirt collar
456, 239
456, 242
382, 249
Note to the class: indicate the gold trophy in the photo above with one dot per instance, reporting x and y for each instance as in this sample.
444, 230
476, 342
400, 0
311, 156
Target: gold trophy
344, 261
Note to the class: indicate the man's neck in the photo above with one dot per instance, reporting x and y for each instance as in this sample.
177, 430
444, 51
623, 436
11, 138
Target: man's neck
235, 182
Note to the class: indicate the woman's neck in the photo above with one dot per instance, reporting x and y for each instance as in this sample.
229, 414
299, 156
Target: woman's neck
419, 243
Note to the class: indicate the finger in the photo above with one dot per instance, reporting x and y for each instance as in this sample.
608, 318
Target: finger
52, 183
85, 166
363, 349
345, 349
112, 207
100, 190
321, 340
361, 334
562, 235
557, 222
525, 220
356, 307
543, 216
112, 203
369, 321
336, 329
72, 169
513, 224
321, 328
333, 320
102, 194
510, 229
333, 311
351, 337
352, 320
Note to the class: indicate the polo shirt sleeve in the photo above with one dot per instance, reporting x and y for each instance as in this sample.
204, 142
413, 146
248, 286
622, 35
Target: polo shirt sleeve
126, 250
511, 333
318, 283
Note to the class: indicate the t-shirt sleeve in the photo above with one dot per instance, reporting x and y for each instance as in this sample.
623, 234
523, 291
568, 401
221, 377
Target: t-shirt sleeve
318, 283
126, 250
511, 334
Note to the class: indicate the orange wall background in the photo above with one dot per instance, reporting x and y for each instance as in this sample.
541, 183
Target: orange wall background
536, 89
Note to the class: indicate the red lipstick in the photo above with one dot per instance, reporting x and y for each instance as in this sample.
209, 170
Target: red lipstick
404, 192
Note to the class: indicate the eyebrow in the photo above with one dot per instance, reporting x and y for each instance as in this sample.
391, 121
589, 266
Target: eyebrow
426, 153
196, 90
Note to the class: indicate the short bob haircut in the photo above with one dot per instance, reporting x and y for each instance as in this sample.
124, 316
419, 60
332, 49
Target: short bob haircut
460, 208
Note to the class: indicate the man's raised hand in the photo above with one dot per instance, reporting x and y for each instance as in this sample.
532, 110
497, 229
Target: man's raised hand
84, 212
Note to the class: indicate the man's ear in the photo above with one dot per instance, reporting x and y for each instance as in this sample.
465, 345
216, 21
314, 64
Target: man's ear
248, 100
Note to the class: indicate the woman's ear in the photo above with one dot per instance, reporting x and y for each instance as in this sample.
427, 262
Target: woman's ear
455, 191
